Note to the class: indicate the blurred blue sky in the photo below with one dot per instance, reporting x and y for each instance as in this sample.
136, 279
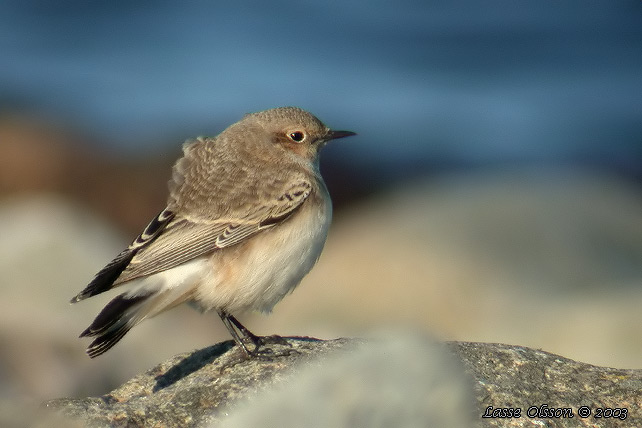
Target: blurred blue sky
463, 81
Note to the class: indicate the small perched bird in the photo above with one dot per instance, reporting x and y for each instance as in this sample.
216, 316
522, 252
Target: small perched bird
246, 219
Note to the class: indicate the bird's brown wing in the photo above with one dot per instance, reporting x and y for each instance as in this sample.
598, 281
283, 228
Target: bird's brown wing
176, 239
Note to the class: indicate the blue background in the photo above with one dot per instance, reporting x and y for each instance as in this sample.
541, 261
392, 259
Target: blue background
427, 84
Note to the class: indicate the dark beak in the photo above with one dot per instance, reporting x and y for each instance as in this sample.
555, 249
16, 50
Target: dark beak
333, 135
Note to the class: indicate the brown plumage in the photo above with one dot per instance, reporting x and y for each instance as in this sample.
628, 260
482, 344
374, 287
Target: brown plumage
246, 219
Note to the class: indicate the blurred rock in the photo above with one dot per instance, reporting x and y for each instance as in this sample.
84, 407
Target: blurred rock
403, 381
395, 380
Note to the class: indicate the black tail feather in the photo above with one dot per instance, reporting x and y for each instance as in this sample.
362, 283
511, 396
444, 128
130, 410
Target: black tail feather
107, 275
105, 279
105, 342
113, 322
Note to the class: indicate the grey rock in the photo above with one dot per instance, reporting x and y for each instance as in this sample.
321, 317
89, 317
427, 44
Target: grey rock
396, 380
353, 382
508, 376
192, 388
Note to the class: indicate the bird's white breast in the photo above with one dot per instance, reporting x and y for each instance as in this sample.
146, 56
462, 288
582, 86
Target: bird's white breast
258, 273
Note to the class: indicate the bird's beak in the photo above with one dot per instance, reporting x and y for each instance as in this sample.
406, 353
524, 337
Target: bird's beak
333, 135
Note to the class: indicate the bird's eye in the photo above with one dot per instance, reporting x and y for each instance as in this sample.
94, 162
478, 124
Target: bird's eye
296, 136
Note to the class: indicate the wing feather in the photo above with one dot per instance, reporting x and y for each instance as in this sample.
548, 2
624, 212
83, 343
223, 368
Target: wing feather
185, 238
107, 276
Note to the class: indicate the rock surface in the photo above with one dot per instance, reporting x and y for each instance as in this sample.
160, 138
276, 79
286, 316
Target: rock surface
429, 382
509, 376
191, 389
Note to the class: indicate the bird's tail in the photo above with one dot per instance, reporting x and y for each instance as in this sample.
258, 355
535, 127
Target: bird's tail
115, 320
127, 310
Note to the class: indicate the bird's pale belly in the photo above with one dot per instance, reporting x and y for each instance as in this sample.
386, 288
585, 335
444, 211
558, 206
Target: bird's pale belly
258, 273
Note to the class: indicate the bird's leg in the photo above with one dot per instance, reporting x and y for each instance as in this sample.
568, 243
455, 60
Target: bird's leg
256, 340
229, 323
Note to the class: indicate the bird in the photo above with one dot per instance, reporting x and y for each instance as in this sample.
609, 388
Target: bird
246, 219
